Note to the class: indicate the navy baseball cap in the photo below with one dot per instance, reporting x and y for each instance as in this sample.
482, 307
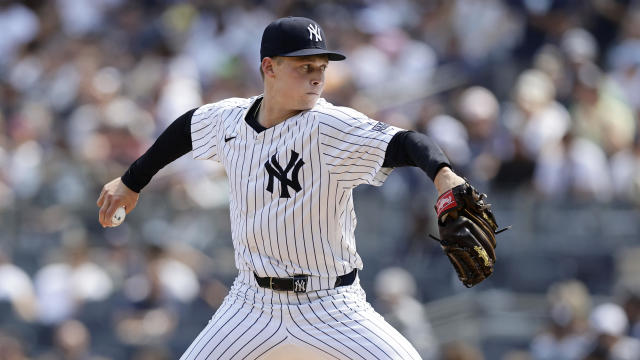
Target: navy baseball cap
295, 36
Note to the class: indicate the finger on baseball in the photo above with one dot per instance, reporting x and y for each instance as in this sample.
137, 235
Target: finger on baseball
103, 214
131, 205
105, 200
108, 215
101, 197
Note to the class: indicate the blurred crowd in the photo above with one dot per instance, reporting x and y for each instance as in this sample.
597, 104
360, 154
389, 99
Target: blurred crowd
535, 96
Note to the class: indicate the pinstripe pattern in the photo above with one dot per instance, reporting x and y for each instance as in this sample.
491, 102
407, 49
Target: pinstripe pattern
291, 209
256, 323
311, 232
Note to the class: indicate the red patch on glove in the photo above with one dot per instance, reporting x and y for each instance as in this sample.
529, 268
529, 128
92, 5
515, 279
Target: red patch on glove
445, 202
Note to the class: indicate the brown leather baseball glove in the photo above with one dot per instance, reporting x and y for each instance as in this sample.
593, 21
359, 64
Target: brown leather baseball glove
467, 233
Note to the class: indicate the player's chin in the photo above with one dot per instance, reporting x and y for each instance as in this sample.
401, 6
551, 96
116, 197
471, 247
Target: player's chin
308, 101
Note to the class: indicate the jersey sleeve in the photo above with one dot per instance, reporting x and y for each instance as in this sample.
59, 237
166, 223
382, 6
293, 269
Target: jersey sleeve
205, 137
353, 146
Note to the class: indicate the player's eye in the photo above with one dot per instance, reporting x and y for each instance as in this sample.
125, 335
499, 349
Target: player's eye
309, 68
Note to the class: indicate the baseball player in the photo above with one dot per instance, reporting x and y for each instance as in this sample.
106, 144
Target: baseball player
292, 160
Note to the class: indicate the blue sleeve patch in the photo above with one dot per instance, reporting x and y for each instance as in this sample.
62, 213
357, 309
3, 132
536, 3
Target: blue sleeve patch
380, 126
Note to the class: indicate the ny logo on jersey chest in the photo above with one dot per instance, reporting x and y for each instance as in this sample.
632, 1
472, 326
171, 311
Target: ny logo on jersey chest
276, 171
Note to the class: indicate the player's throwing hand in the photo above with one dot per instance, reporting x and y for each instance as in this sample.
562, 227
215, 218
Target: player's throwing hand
115, 194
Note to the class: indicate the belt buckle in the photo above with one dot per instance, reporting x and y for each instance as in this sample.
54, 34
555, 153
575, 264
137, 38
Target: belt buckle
300, 283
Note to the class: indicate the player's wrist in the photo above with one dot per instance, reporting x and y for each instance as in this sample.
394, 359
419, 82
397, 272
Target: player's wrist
129, 182
447, 179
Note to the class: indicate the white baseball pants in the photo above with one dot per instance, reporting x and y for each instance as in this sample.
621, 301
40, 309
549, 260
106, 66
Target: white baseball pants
258, 323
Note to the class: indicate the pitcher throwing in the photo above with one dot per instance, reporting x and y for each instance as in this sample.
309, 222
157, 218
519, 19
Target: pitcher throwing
293, 160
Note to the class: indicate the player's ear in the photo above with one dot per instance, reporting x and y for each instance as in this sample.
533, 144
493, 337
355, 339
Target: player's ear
267, 66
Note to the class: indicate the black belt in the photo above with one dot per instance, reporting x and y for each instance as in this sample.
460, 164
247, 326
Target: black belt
298, 283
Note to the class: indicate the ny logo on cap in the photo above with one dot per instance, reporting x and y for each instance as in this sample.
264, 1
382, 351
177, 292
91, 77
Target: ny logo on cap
314, 30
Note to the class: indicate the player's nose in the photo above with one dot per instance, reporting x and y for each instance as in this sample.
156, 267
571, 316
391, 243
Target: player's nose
317, 80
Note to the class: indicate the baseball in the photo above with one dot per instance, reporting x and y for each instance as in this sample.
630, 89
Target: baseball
118, 216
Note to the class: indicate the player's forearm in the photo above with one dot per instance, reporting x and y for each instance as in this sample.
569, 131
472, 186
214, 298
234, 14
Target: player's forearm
174, 142
410, 148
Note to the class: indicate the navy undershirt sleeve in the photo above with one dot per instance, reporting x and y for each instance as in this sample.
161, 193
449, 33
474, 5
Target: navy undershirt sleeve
174, 142
410, 148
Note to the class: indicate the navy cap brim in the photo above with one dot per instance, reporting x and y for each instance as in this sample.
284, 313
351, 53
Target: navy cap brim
333, 55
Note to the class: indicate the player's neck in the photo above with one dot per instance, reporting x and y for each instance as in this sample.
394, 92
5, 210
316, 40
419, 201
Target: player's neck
271, 113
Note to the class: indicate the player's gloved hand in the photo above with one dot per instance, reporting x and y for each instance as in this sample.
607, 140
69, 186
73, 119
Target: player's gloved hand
115, 194
467, 233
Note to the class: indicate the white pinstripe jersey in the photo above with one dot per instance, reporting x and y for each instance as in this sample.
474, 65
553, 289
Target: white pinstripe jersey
291, 202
